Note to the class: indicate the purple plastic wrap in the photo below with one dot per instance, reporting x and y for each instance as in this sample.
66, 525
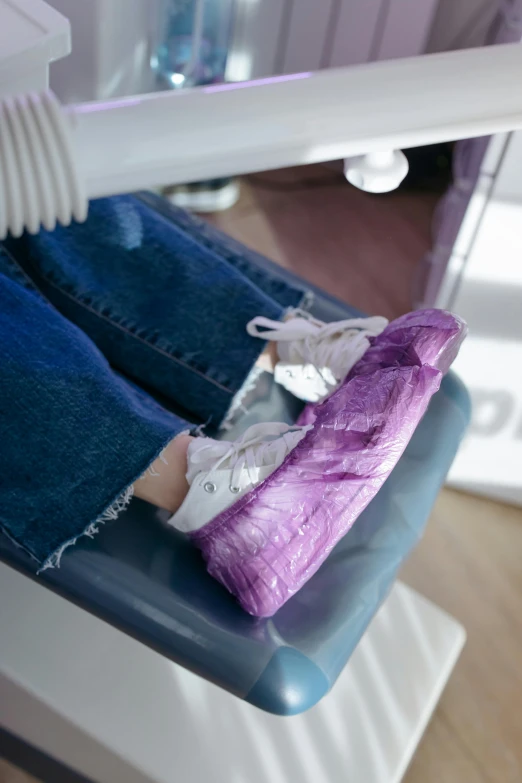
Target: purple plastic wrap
430, 337
269, 543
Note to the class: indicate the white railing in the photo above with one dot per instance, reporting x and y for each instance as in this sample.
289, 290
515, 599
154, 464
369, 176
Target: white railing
131, 143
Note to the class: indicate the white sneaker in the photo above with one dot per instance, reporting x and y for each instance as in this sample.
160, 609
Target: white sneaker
220, 472
315, 357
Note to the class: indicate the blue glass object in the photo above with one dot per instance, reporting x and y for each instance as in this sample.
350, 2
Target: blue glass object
193, 44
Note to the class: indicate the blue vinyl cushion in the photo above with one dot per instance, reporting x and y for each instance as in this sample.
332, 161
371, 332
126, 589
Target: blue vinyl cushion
149, 581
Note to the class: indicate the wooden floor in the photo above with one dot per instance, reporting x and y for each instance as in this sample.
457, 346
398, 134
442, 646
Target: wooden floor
359, 247
470, 563
9, 774
366, 249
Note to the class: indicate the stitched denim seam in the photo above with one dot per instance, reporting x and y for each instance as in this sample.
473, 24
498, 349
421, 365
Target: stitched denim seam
127, 331
32, 287
17, 268
202, 233
23, 547
229, 254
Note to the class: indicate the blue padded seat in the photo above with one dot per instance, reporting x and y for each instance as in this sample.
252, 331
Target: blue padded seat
152, 584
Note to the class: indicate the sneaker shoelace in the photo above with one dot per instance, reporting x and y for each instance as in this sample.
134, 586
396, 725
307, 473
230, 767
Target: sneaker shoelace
261, 444
315, 341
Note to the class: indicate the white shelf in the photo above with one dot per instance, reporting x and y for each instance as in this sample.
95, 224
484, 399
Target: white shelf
32, 34
119, 713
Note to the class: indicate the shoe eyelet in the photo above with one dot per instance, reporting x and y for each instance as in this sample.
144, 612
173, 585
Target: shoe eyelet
290, 374
235, 490
209, 487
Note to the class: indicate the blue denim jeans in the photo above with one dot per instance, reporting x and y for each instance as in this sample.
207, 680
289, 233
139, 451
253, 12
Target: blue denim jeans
115, 335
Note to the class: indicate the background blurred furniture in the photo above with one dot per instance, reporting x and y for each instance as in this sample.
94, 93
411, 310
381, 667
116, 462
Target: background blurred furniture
474, 269
282, 36
270, 37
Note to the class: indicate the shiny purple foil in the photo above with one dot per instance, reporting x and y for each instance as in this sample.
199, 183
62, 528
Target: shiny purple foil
268, 544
